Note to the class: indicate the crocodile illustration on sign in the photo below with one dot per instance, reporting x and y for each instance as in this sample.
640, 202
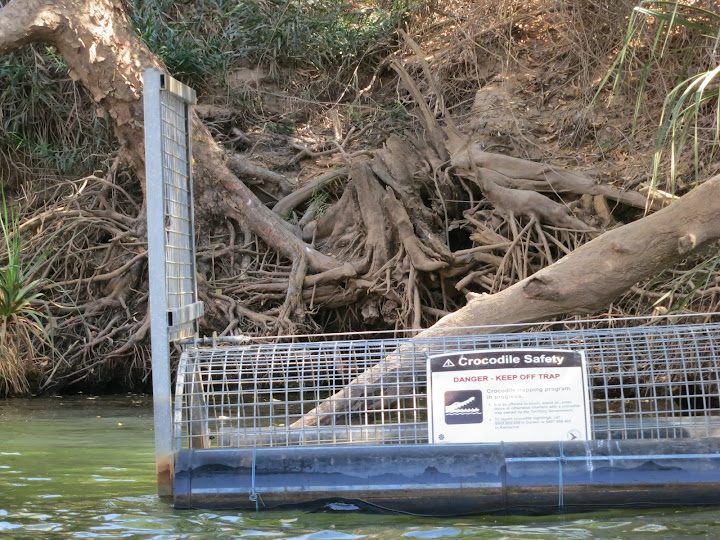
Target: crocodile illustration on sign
463, 407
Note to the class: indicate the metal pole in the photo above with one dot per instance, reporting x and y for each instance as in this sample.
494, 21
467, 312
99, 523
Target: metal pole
162, 398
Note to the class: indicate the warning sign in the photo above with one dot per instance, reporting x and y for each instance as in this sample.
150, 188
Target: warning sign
508, 395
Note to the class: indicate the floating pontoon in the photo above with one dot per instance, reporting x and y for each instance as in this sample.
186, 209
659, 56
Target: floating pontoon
343, 424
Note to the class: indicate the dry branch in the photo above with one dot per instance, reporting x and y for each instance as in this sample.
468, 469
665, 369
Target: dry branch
251, 171
524, 174
526, 203
288, 203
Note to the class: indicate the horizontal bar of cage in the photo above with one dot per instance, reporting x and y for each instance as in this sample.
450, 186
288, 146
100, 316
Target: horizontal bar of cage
183, 92
670, 428
399, 433
186, 313
639, 322
407, 434
417, 433
603, 337
651, 424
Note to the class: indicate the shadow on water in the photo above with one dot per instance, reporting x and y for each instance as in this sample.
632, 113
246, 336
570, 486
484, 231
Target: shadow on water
83, 467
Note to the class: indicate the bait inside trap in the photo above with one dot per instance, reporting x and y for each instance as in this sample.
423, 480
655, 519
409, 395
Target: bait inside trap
338, 423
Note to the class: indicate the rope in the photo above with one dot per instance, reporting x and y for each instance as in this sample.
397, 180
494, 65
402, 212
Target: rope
254, 496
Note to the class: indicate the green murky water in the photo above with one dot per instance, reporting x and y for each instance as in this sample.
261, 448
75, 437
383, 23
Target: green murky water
84, 468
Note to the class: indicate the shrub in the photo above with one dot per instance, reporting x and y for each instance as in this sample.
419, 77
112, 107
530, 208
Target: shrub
22, 317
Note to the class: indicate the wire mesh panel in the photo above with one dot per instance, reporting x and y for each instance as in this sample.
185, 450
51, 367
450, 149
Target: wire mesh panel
179, 246
645, 383
173, 204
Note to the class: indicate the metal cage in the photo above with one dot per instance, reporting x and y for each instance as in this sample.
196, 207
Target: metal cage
648, 382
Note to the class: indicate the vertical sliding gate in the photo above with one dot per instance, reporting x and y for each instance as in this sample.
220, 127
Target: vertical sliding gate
174, 308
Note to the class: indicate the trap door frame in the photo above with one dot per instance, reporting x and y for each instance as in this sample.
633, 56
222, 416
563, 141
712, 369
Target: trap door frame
174, 305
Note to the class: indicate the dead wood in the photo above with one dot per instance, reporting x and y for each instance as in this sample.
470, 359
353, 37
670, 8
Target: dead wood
421, 256
293, 309
291, 201
524, 174
253, 173
526, 203
370, 197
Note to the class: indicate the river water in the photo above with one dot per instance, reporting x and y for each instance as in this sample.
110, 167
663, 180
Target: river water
83, 467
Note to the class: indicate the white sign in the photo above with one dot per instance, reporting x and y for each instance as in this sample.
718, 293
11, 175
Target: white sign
508, 395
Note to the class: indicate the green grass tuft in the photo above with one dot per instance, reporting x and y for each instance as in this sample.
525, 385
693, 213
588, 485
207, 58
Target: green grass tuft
209, 37
48, 125
658, 31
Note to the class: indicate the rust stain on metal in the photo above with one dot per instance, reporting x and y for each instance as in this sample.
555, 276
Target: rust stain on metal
165, 476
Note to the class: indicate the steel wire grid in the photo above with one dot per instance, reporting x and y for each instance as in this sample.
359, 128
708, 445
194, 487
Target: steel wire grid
179, 247
648, 382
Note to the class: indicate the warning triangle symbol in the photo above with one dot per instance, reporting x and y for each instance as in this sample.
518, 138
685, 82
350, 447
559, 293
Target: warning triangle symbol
448, 363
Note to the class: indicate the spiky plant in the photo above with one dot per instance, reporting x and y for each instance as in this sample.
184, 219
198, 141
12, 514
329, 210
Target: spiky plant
671, 49
22, 317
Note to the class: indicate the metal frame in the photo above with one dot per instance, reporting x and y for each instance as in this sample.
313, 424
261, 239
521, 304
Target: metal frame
174, 308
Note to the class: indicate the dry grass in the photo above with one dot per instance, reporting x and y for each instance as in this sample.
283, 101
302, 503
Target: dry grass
13, 371
48, 124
